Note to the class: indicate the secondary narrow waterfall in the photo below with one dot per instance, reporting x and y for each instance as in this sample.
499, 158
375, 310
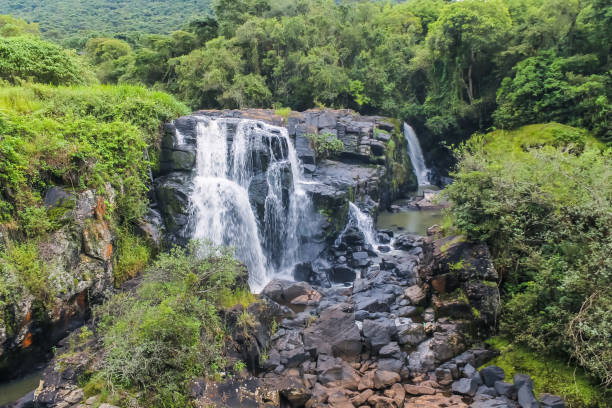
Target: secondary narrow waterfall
247, 194
363, 222
416, 156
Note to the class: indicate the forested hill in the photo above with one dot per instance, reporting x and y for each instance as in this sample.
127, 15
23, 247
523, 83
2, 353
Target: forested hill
64, 18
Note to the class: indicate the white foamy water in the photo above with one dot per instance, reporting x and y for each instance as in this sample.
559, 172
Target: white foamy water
226, 165
416, 156
363, 222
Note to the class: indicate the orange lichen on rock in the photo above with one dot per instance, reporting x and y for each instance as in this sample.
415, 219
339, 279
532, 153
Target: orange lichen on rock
27, 342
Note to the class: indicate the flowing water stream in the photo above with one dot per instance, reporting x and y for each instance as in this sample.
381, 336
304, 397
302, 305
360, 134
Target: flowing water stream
416, 156
236, 158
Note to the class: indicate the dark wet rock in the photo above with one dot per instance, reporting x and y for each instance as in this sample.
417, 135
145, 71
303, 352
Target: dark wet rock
484, 390
491, 374
506, 389
522, 379
172, 192
408, 241
487, 401
525, 397
334, 333
391, 350
378, 333
466, 386
342, 274
551, 401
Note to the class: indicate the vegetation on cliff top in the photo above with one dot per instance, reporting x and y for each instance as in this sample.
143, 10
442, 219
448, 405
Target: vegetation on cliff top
72, 135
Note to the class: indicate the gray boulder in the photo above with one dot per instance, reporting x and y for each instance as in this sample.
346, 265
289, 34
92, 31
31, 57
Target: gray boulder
551, 401
491, 374
466, 386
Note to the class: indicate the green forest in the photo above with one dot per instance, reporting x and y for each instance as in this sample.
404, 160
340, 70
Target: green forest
512, 97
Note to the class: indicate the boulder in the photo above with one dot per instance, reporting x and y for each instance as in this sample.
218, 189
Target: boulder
334, 333
466, 386
378, 333
492, 374
409, 333
551, 401
525, 397
383, 379
415, 294
505, 389
419, 389
484, 390
335, 372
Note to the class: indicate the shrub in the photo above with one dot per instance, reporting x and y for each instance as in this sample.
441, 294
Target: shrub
132, 256
169, 331
325, 145
29, 58
541, 198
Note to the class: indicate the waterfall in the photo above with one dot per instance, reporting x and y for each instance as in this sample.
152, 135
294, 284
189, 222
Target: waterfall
416, 156
363, 222
236, 159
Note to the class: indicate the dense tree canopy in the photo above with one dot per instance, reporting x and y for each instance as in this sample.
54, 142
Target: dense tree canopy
450, 68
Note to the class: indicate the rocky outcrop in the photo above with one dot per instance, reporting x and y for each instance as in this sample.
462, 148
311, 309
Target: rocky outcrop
78, 260
372, 166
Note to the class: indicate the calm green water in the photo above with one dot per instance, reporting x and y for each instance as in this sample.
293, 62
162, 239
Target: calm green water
412, 221
12, 391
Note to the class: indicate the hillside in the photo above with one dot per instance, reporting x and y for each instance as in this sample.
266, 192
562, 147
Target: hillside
64, 18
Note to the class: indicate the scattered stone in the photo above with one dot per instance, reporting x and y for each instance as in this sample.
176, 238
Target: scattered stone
484, 390
551, 401
525, 397
505, 389
384, 379
415, 295
491, 374
419, 389
466, 386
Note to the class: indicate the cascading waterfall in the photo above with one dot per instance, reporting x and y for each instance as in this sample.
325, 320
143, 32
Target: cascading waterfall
231, 156
363, 222
416, 156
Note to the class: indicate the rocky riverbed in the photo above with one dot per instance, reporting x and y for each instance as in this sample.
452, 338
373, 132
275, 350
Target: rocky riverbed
397, 337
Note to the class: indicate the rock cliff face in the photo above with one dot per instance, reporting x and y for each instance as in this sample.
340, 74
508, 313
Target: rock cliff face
77, 257
372, 167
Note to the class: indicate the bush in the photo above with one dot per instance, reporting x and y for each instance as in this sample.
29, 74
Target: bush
22, 274
132, 256
28, 58
325, 145
541, 198
169, 331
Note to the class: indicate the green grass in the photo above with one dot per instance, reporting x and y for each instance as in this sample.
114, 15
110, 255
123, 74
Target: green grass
516, 142
230, 298
549, 374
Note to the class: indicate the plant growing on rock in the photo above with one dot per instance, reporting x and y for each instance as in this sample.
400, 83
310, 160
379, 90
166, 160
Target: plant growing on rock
325, 145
